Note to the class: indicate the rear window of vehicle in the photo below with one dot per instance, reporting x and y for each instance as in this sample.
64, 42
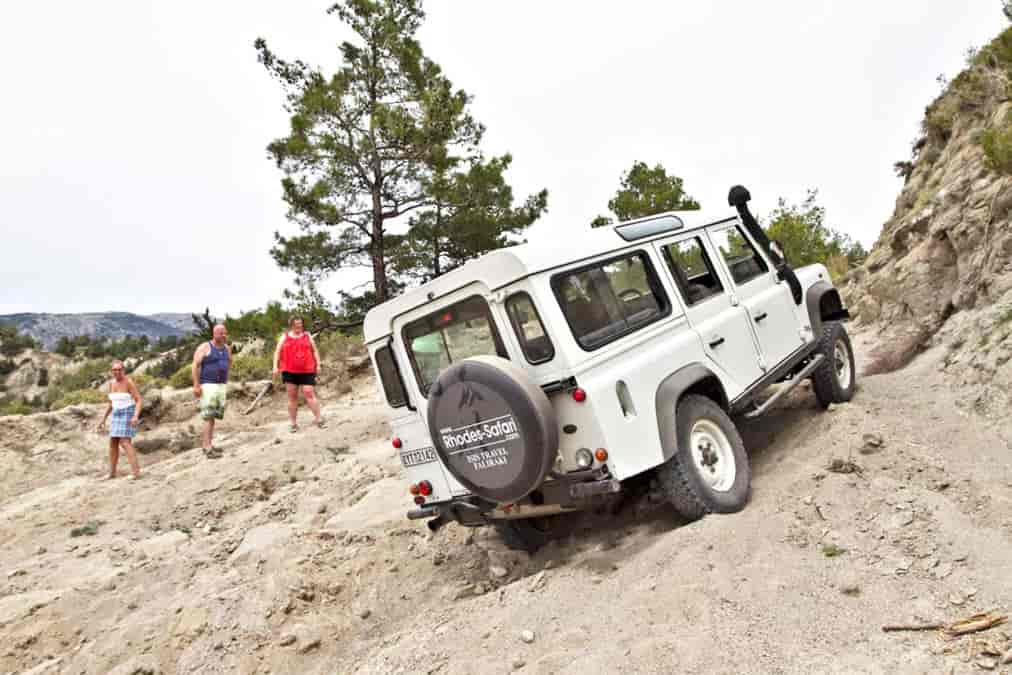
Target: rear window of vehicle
610, 299
449, 335
534, 341
390, 377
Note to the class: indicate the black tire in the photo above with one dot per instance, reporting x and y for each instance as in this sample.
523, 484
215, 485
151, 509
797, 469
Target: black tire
524, 534
834, 380
692, 493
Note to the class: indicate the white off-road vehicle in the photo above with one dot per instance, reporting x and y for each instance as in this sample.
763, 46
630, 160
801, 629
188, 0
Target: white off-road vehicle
536, 380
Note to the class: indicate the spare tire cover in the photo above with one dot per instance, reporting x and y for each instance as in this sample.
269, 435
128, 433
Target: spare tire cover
493, 428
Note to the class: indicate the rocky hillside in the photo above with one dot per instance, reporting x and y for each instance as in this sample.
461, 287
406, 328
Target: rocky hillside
941, 270
48, 328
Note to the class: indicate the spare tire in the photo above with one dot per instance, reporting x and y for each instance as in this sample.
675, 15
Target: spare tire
493, 428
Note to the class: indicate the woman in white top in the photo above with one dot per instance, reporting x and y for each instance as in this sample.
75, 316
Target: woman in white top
125, 406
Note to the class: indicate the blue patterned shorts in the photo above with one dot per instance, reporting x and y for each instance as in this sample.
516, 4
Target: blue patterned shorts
119, 423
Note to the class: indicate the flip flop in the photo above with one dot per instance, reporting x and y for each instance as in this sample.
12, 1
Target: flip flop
321, 423
293, 428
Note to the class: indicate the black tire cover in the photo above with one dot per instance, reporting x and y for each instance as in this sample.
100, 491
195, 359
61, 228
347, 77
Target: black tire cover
493, 428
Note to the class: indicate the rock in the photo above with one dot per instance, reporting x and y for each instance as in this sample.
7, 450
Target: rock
518, 664
286, 640
872, 443
901, 519
853, 590
1006, 657
262, 538
145, 665
40, 550
943, 570
832, 407
44, 667
538, 582
208, 529
438, 558
309, 644
807, 500
987, 662
16, 573
322, 508
497, 571
527, 636
365, 613
163, 544
956, 599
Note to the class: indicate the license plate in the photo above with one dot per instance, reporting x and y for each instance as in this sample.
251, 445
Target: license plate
416, 457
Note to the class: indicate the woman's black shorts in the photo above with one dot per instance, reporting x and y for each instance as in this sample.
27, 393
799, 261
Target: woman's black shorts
299, 378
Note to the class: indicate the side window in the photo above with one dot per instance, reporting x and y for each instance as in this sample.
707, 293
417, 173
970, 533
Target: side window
693, 272
530, 331
390, 377
743, 261
610, 299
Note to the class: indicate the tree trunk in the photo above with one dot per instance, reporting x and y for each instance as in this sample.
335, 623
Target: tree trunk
379, 268
436, 271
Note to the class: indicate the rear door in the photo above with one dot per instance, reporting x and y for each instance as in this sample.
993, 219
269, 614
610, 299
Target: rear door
768, 303
712, 310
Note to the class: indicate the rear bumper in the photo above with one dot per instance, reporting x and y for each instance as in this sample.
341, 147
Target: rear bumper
566, 493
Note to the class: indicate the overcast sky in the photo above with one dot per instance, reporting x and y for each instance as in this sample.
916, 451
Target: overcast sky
133, 174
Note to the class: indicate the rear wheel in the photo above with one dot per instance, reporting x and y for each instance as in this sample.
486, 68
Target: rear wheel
709, 472
833, 381
525, 534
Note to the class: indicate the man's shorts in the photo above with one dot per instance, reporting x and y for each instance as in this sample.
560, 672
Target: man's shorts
212, 401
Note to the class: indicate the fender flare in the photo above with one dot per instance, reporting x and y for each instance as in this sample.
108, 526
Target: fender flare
817, 294
666, 401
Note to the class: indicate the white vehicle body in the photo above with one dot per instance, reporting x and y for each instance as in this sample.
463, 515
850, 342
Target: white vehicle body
728, 343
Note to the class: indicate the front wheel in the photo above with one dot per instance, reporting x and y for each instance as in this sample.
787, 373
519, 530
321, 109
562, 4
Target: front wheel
709, 472
834, 380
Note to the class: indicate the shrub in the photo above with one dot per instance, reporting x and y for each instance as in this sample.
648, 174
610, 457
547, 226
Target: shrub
997, 146
7, 366
252, 367
182, 378
76, 397
16, 407
146, 383
12, 342
89, 375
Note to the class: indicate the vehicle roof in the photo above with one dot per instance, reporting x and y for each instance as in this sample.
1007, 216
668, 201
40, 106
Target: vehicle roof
506, 265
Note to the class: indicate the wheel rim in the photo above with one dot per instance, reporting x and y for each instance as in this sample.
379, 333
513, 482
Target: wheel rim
712, 455
841, 363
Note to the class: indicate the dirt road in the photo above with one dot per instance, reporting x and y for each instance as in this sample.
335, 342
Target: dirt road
291, 554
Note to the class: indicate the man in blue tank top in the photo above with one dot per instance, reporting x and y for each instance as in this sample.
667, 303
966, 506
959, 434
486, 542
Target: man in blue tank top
211, 363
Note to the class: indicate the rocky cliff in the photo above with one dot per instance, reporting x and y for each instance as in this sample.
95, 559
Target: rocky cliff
941, 270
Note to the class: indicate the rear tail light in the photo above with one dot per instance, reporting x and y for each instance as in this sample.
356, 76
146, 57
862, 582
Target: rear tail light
425, 488
414, 489
579, 395
397, 443
601, 455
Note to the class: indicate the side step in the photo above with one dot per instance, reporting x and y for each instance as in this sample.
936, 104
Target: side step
795, 381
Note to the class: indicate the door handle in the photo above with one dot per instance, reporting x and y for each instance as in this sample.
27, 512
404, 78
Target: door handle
716, 341
759, 317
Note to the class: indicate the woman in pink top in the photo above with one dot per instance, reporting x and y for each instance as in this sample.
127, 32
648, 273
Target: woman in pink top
298, 361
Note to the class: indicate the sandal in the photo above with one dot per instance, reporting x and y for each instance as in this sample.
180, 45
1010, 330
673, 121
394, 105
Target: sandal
293, 428
321, 423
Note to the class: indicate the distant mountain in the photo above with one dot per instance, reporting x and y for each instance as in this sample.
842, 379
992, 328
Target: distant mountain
183, 321
48, 328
